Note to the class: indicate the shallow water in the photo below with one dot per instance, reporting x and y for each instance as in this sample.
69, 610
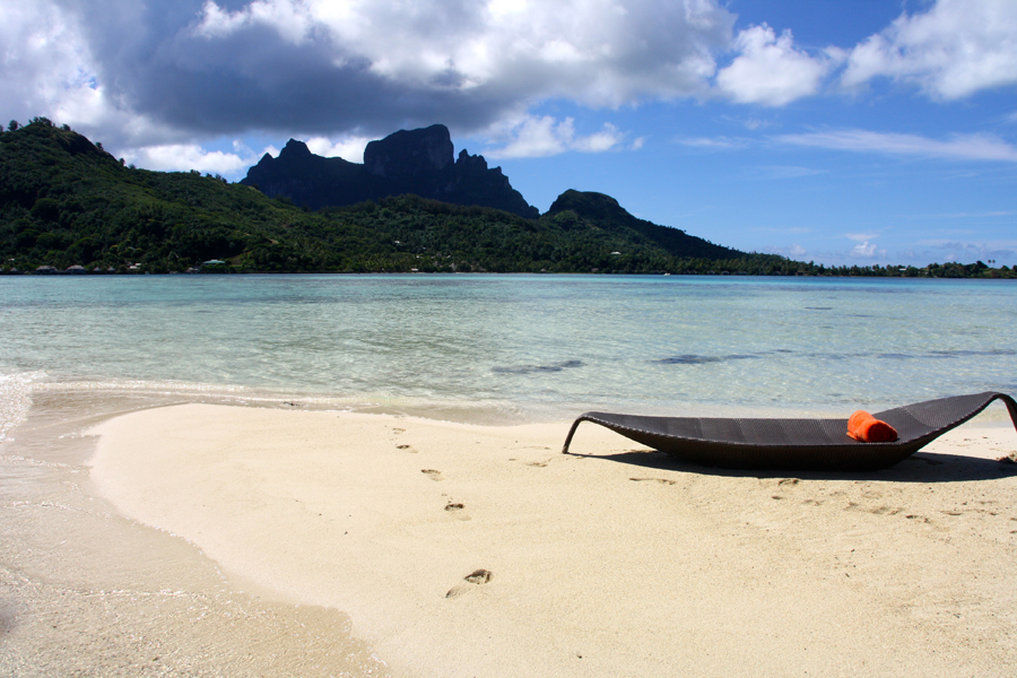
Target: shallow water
514, 347
86, 591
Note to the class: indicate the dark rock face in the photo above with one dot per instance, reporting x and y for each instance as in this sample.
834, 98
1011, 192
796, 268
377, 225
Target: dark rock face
410, 154
416, 161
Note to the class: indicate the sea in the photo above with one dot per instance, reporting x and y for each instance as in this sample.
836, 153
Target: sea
507, 348
86, 591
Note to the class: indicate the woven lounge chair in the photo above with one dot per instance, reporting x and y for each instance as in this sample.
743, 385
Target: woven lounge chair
795, 443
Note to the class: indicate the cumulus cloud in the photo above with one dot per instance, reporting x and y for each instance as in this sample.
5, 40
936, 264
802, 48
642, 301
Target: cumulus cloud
769, 70
534, 136
46, 64
957, 147
956, 48
864, 250
161, 73
218, 67
349, 148
189, 156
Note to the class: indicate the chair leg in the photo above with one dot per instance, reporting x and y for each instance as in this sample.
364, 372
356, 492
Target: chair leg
572, 432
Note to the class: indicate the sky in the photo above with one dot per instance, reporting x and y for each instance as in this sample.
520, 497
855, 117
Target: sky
835, 131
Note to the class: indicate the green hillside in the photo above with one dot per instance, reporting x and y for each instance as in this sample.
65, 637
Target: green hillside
66, 202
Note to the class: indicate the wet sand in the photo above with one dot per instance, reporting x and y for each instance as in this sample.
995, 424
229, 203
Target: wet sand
460, 550
86, 591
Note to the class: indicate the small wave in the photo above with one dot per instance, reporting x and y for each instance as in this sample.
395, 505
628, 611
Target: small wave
16, 399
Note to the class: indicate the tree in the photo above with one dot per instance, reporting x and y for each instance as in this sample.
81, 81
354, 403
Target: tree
13, 126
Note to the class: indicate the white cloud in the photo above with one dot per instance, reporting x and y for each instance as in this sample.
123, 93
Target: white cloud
532, 137
46, 66
136, 74
600, 52
864, 250
769, 70
957, 147
956, 48
714, 143
182, 157
350, 148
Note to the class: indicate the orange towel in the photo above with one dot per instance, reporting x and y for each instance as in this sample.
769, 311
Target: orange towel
866, 428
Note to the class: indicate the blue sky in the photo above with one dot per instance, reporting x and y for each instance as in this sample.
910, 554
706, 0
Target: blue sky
851, 131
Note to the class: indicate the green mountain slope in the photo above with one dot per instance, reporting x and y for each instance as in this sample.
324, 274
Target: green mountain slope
66, 202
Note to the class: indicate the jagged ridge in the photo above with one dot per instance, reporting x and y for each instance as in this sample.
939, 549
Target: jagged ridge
418, 162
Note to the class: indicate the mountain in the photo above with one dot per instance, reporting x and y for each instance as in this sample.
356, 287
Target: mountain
418, 162
605, 212
65, 203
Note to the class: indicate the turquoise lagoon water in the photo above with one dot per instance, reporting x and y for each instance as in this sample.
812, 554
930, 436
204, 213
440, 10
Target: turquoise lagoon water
508, 348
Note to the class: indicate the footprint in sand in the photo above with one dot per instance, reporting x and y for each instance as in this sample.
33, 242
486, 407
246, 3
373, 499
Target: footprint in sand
431, 473
408, 448
457, 510
475, 578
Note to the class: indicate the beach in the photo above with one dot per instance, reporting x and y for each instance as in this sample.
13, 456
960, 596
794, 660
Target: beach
361, 476
464, 550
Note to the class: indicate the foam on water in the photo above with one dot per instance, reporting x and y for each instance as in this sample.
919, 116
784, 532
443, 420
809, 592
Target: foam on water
15, 399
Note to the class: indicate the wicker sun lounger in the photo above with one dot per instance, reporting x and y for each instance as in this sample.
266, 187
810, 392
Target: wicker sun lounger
795, 443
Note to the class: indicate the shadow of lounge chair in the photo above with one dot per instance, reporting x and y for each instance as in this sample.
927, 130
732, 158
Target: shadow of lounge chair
795, 443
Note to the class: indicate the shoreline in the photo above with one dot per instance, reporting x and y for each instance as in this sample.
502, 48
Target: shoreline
86, 590
996, 273
603, 564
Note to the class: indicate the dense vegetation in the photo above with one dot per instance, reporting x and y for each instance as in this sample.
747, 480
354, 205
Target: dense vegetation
66, 202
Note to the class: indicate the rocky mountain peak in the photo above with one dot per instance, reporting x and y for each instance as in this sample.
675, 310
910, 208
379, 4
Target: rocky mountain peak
410, 153
295, 149
418, 161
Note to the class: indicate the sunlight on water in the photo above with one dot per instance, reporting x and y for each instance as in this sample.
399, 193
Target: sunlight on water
515, 347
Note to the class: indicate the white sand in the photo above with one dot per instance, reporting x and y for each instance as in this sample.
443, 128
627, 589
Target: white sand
599, 566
